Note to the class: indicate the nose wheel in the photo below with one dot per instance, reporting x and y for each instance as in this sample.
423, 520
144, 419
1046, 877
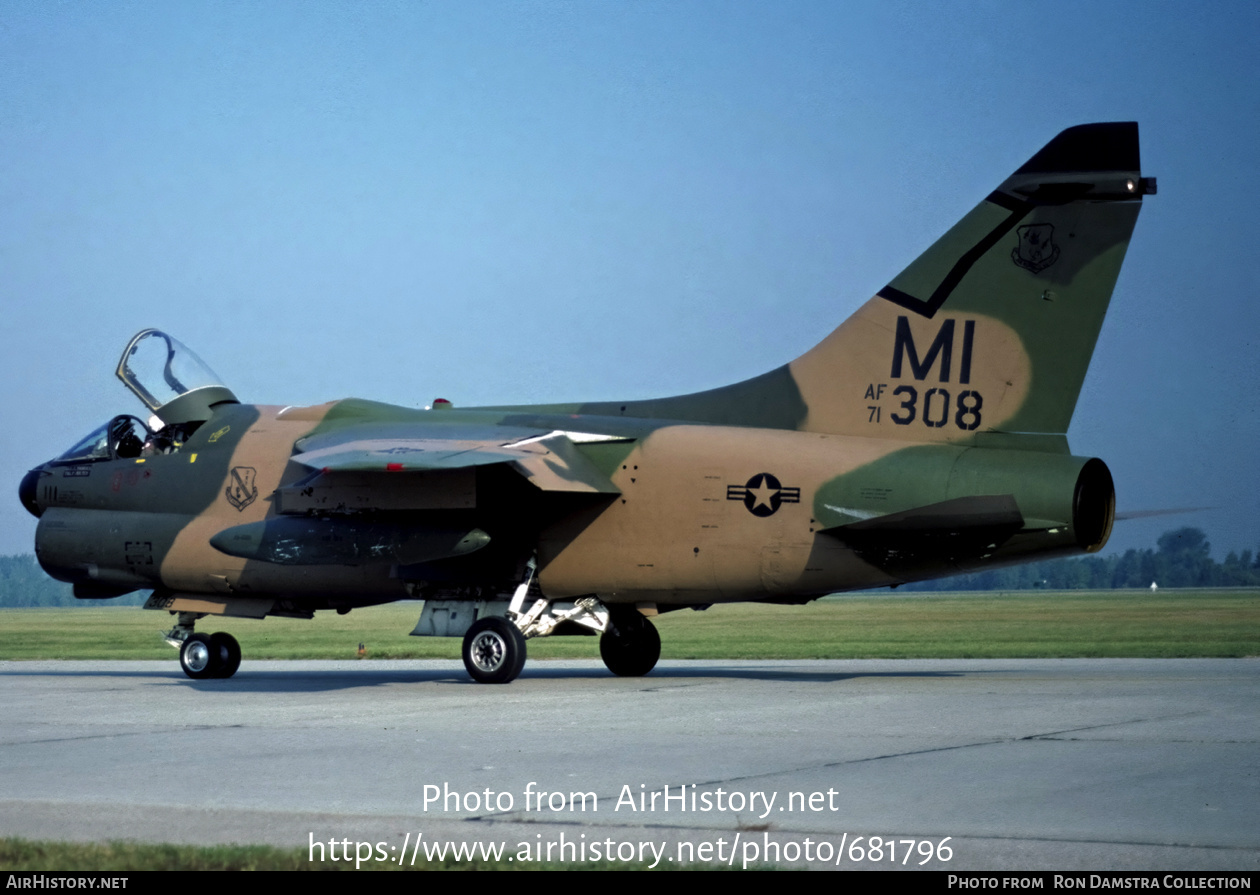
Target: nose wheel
205, 656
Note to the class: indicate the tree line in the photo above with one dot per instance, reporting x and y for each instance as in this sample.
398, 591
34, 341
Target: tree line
1181, 558
23, 585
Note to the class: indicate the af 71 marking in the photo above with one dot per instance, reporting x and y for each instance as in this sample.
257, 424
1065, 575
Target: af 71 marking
516, 522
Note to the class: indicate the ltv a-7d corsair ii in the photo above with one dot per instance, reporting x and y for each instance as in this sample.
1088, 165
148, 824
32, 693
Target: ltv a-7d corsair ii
923, 437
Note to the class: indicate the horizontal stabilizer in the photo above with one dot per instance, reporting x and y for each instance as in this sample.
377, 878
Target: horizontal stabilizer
952, 531
948, 516
1147, 514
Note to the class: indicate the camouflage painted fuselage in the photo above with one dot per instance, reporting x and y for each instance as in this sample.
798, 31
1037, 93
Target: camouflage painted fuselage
924, 436
701, 513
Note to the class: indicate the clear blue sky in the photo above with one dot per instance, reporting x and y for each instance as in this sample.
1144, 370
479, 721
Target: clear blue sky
516, 202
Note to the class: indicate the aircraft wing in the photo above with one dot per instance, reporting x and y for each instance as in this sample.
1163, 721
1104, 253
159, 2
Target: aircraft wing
549, 460
409, 454
388, 468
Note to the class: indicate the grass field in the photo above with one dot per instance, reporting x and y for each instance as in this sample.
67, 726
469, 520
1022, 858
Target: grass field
1186, 623
18, 855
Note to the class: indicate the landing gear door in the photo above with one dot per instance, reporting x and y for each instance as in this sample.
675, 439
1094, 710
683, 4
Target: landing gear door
170, 379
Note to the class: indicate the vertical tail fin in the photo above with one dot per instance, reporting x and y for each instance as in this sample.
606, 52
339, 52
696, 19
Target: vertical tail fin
991, 329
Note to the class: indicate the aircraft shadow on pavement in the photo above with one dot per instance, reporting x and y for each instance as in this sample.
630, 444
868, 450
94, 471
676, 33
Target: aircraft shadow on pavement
331, 679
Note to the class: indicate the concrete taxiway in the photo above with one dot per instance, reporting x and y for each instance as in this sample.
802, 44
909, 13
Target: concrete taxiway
1022, 764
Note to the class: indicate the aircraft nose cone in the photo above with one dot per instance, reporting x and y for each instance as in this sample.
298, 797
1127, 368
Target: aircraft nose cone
27, 491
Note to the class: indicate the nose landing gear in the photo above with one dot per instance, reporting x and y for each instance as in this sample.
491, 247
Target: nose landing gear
204, 656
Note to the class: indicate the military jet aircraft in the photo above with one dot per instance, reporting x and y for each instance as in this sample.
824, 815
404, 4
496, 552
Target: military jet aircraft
923, 437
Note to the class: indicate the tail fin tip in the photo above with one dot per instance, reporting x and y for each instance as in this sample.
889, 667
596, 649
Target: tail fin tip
1107, 146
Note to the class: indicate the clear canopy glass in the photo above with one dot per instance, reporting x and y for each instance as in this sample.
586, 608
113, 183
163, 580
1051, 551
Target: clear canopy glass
123, 436
92, 447
159, 368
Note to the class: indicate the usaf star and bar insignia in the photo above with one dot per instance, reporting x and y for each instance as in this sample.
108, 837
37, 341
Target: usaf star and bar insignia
763, 494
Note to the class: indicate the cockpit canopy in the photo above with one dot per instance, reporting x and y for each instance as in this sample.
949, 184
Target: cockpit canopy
122, 437
170, 379
173, 383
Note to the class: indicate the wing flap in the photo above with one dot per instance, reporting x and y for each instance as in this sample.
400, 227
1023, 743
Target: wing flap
556, 464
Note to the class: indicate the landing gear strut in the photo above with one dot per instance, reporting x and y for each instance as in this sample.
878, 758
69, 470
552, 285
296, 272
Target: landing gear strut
631, 645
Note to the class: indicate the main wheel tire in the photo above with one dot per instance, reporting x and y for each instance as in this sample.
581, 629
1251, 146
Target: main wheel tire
198, 657
631, 646
228, 653
494, 651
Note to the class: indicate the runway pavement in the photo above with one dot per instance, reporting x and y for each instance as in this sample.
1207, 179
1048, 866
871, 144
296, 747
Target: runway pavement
993, 764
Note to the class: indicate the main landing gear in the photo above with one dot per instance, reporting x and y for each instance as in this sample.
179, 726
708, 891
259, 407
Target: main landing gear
494, 651
494, 645
204, 656
631, 645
